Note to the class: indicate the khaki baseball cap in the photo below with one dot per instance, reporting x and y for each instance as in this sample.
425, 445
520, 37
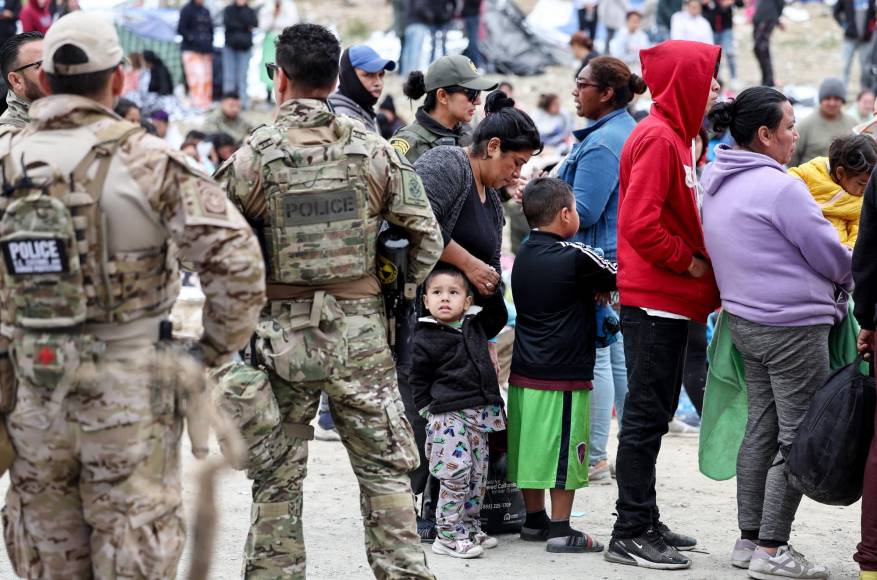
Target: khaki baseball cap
92, 34
449, 71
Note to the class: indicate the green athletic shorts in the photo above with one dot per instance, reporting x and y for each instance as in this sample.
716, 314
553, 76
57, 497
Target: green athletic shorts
548, 438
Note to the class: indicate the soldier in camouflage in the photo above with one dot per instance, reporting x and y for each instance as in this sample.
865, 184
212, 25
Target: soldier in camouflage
89, 277
316, 187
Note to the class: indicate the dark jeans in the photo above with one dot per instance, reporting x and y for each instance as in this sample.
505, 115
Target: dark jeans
654, 349
588, 21
761, 34
694, 376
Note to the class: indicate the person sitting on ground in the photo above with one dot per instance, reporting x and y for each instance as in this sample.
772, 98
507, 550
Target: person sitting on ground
128, 110
553, 364
780, 270
160, 81
628, 41
224, 146
555, 126
455, 388
838, 181
816, 132
689, 24
228, 119
582, 47
360, 84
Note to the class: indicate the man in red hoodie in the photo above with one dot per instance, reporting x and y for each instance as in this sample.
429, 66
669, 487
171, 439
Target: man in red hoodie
665, 280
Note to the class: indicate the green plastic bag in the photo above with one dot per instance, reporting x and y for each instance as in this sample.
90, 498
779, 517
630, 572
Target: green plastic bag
725, 404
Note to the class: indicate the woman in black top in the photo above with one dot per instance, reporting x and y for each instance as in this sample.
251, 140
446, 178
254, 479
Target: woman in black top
462, 184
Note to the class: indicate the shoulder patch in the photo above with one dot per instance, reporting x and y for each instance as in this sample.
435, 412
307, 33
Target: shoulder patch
400, 145
412, 189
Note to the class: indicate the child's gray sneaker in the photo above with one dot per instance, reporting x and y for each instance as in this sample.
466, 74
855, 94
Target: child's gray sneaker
786, 563
742, 553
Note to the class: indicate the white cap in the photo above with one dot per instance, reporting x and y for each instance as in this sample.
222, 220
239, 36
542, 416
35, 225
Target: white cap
92, 34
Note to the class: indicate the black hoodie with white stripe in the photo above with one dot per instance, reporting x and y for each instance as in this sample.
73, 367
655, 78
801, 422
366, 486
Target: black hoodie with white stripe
553, 285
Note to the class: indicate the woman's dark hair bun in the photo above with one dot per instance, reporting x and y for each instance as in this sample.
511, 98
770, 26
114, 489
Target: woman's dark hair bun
415, 85
637, 84
721, 116
496, 101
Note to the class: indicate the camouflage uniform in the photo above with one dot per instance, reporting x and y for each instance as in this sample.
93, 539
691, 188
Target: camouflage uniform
16, 114
238, 128
326, 336
95, 487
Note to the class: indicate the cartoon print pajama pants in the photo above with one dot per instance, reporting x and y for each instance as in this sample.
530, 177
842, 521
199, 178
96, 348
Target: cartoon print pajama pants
456, 444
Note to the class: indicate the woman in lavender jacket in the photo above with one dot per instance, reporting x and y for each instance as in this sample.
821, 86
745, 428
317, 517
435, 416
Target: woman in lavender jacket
783, 277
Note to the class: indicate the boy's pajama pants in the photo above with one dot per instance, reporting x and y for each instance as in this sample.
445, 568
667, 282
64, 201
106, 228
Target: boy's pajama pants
458, 455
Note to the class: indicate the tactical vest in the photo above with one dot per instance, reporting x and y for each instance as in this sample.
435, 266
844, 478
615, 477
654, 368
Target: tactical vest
58, 272
317, 230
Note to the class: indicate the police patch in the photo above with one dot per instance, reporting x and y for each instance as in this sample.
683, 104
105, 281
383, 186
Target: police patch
320, 207
35, 256
412, 190
400, 145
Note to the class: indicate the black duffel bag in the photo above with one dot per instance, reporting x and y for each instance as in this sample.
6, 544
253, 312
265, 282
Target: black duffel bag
827, 460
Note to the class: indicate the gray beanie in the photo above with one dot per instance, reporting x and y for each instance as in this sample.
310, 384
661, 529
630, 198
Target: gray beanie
833, 87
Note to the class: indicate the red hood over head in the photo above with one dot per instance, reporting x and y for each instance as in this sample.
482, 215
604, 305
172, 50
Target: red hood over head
678, 74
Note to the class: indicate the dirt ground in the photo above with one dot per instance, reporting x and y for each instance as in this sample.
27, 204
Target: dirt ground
689, 501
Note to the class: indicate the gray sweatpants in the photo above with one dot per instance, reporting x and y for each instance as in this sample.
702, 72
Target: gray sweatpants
784, 366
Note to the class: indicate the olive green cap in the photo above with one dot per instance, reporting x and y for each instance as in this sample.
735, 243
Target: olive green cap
449, 71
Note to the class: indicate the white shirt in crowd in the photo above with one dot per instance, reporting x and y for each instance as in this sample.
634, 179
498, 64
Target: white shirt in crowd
684, 26
626, 45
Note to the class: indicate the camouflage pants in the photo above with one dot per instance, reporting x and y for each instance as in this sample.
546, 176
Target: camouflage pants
95, 486
347, 357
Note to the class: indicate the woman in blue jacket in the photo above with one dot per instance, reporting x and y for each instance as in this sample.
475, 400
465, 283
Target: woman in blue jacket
602, 93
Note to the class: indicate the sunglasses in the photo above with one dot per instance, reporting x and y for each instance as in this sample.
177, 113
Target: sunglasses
37, 64
471, 94
271, 68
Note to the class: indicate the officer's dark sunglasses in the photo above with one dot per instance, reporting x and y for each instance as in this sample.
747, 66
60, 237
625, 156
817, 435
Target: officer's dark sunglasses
37, 64
471, 94
271, 68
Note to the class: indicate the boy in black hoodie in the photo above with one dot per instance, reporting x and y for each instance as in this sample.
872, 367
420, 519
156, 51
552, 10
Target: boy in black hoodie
454, 383
554, 283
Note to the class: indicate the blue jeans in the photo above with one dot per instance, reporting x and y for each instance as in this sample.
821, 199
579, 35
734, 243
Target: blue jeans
473, 27
416, 36
234, 72
610, 387
725, 39
850, 46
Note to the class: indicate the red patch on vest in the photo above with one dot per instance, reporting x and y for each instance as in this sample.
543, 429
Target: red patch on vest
581, 450
46, 356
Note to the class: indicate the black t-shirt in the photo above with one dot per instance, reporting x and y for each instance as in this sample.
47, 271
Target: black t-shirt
475, 229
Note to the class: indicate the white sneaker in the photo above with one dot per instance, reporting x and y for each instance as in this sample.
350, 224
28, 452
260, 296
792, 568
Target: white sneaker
786, 563
485, 541
742, 553
458, 549
682, 429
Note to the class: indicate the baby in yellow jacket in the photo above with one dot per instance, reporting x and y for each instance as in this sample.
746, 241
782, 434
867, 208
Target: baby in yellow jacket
838, 181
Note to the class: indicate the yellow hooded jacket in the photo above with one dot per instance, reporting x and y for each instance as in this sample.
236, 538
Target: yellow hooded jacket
838, 206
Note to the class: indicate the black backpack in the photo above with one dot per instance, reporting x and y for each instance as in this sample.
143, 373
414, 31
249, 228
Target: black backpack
827, 460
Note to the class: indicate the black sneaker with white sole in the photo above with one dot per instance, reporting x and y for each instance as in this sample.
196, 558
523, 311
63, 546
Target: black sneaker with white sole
648, 550
679, 541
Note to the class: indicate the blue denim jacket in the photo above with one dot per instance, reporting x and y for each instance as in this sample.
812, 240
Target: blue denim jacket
592, 169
